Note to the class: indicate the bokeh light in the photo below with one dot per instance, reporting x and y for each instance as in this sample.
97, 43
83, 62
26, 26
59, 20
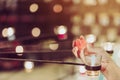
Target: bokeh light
76, 1
61, 32
10, 31
75, 30
108, 46
111, 34
90, 38
60, 29
36, 32
96, 29
4, 32
90, 2
89, 19
57, 8
54, 46
33, 7
48, 1
28, 65
102, 2
118, 1
116, 19
104, 19
82, 69
19, 49
76, 19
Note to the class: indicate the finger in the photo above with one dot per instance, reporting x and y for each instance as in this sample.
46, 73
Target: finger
104, 65
76, 52
82, 55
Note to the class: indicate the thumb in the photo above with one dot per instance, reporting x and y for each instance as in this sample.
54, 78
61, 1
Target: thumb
82, 55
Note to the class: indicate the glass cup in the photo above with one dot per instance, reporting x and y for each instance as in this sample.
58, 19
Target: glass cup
93, 64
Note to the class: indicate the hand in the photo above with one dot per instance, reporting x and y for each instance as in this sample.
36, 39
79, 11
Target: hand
109, 69
90, 49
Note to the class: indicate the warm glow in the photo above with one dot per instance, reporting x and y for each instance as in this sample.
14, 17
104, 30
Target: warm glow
90, 2
76, 1
36, 32
112, 34
82, 69
89, 19
76, 19
96, 30
54, 46
48, 1
76, 30
116, 19
104, 19
19, 49
118, 1
103, 1
10, 31
60, 29
28, 66
4, 32
108, 46
102, 38
90, 38
33, 7
57, 8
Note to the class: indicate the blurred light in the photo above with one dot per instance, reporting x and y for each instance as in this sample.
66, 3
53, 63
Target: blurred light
36, 32
10, 31
103, 1
76, 19
112, 34
116, 19
28, 66
82, 69
104, 19
108, 46
102, 38
89, 19
11, 4
54, 46
66, 1
19, 49
4, 32
11, 38
90, 38
76, 30
76, 1
60, 29
48, 1
33, 7
118, 1
57, 8
96, 30
90, 2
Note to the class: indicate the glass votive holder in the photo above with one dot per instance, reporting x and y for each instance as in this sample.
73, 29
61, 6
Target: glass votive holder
93, 64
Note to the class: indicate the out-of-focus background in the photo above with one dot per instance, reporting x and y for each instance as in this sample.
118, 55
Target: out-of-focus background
45, 29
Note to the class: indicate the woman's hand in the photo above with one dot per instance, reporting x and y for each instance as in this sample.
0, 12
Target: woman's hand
109, 69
